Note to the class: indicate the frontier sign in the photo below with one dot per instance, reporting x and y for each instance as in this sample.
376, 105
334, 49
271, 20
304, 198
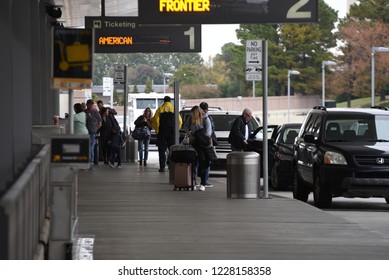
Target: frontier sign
227, 11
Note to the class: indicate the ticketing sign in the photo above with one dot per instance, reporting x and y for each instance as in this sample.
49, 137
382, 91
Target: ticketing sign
126, 35
227, 11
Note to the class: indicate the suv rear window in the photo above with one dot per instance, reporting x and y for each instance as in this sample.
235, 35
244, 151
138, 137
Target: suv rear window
224, 122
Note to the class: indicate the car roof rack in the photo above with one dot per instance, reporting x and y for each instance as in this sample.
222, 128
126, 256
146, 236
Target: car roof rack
380, 108
320, 108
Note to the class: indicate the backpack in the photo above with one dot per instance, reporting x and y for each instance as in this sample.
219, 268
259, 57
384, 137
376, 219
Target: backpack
91, 123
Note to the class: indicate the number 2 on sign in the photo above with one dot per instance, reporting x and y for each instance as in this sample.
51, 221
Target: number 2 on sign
295, 13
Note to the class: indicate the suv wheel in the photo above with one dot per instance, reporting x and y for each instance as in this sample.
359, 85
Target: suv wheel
300, 191
321, 194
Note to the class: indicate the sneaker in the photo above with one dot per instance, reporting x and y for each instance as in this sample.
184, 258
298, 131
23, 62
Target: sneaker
119, 166
208, 185
111, 165
201, 188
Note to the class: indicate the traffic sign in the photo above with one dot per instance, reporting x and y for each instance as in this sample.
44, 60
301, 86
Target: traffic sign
254, 52
253, 60
227, 11
253, 73
119, 74
127, 35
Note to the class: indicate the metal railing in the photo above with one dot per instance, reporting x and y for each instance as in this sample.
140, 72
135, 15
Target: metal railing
24, 209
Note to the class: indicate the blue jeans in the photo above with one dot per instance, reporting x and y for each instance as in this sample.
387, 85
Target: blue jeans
204, 173
92, 140
143, 148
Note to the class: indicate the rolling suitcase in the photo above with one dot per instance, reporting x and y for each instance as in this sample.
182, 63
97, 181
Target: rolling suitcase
180, 154
183, 176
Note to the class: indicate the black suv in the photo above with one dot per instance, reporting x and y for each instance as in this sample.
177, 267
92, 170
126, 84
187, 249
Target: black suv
342, 152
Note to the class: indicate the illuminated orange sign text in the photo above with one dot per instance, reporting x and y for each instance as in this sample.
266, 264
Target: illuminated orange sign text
115, 40
174, 6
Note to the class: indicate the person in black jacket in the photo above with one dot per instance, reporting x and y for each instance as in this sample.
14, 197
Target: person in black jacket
144, 121
116, 144
240, 132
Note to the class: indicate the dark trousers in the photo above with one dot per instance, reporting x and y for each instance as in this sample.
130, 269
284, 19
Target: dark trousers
96, 149
115, 155
106, 149
164, 141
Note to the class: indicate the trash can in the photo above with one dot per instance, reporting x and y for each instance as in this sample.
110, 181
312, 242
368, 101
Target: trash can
131, 149
243, 175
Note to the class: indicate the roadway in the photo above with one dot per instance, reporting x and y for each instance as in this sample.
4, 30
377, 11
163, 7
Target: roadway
369, 213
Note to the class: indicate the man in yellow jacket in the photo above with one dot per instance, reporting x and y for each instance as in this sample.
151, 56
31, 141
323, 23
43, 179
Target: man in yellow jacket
163, 123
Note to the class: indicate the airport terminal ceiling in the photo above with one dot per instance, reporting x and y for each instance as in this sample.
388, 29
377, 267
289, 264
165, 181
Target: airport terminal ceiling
74, 11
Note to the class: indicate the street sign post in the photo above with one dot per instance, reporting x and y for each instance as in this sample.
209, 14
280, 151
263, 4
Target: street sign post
127, 35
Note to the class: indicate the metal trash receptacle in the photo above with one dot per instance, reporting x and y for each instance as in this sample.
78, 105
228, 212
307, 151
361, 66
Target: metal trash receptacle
243, 175
131, 149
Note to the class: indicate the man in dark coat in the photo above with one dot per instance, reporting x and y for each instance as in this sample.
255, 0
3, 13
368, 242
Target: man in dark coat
239, 132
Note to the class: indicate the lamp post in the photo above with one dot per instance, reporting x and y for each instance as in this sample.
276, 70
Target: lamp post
323, 64
290, 72
165, 75
373, 51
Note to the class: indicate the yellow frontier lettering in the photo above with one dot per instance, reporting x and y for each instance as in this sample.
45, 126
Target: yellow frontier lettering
115, 40
174, 6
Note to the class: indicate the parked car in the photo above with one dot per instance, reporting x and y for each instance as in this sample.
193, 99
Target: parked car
280, 152
281, 155
342, 152
223, 121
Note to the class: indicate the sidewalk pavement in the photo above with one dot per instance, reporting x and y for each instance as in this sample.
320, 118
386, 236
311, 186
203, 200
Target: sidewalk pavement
134, 214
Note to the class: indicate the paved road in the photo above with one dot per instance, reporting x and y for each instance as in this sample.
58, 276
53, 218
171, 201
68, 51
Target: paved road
369, 213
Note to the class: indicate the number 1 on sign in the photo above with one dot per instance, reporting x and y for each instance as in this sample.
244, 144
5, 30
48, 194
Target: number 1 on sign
190, 32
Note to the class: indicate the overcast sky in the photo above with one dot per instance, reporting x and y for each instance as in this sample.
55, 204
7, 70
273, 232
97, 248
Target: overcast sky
214, 36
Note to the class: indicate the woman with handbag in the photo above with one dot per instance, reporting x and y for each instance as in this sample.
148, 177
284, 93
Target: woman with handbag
200, 131
143, 123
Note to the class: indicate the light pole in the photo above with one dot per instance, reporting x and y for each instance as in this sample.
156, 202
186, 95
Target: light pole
165, 75
323, 91
290, 72
373, 51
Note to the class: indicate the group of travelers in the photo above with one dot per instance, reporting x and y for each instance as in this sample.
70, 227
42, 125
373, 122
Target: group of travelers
103, 130
200, 130
100, 124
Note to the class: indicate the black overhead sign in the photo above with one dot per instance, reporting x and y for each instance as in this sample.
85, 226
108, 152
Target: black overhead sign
127, 35
227, 11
